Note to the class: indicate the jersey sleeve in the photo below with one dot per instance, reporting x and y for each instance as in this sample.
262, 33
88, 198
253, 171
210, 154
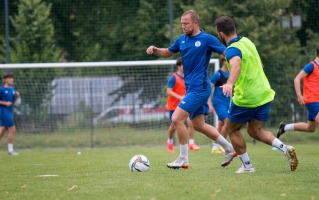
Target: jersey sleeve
171, 82
232, 52
175, 46
215, 77
215, 45
308, 68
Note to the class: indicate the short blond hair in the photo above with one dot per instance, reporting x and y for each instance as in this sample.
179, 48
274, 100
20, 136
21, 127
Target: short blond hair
194, 15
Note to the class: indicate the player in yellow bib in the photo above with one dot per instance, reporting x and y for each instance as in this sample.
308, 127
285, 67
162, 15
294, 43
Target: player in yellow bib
252, 95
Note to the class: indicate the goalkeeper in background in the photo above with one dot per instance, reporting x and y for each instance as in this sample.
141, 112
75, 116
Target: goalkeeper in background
8, 96
176, 90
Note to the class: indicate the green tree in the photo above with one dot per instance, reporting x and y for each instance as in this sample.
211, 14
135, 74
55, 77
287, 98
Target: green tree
2, 50
34, 43
12, 8
120, 33
147, 81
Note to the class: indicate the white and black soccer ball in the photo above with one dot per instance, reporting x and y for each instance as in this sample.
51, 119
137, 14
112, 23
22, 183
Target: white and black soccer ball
139, 163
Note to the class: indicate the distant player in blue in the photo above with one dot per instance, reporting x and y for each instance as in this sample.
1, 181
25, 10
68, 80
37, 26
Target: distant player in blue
219, 103
8, 95
196, 48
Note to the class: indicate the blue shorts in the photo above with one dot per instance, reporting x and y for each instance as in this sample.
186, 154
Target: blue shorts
170, 112
313, 110
7, 120
243, 115
222, 111
195, 102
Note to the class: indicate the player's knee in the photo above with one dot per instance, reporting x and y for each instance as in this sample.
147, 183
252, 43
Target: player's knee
253, 132
311, 129
176, 122
250, 130
231, 131
228, 131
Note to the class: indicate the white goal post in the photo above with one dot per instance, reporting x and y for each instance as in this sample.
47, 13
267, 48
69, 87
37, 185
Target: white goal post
97, 64
88, 79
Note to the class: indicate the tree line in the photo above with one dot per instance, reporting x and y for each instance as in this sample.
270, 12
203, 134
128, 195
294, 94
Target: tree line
120, 30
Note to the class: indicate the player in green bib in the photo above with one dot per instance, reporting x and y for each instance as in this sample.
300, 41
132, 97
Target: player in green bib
251, 98
252, 88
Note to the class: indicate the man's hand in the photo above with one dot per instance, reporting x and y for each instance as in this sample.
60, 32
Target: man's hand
300, 99
227, 89
8, 103
17, 94
150, 49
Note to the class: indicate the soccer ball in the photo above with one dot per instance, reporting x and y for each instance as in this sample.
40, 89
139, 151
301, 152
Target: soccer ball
139, 163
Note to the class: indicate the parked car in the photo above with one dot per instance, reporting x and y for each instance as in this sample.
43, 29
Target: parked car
130, 114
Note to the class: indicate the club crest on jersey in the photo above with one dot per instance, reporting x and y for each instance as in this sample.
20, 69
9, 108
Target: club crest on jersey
197, 44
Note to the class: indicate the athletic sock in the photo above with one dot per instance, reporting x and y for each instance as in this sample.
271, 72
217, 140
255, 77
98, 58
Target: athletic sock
279, 145
244, 158
170, 140
10, 147
225, 144
183, 150
289, 127
191, 141
215, 146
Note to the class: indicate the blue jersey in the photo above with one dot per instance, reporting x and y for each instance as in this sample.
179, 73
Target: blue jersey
6, 115
218, 96
7, 94
233, 51
196, 52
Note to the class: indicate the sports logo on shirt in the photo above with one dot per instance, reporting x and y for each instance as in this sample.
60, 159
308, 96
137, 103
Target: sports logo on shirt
197, 44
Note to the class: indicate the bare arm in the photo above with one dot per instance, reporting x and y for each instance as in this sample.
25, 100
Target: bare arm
302, 74
16, 96
169, 92
233, 76
161, 52
6, 103
210, 105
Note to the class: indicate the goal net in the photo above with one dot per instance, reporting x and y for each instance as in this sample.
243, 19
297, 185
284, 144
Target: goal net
92, 98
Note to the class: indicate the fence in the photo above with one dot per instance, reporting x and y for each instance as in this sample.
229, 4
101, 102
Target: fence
40, 31
123, 98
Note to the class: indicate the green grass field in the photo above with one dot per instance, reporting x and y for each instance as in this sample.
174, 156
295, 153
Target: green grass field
103, 173
124, 136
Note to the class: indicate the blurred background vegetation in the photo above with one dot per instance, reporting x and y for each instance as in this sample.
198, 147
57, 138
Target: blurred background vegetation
41, 31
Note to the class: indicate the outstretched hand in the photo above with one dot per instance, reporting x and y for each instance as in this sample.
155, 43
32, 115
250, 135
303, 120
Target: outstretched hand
150, 49
227, 89
8, 103
17, 93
